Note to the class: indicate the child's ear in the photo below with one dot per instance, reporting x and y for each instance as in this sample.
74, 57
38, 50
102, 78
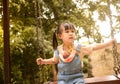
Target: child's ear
59, 36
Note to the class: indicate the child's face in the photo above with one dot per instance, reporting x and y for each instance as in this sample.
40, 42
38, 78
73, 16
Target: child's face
67, 36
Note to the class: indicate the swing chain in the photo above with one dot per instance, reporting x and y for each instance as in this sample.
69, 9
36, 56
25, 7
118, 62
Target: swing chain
116, 58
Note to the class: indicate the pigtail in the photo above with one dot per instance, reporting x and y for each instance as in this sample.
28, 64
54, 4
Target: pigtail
55, 43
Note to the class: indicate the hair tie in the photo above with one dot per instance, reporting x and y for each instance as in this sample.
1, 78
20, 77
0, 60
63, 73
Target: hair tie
55, 31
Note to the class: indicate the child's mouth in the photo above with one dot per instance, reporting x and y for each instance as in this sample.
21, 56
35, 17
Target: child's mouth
70, 37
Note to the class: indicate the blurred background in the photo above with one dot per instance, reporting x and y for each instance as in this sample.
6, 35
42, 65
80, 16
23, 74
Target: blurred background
32, 23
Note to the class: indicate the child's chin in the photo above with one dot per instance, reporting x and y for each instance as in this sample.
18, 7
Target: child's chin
65, 56
71, 41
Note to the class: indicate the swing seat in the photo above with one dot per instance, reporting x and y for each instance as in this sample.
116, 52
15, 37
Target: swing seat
111, 79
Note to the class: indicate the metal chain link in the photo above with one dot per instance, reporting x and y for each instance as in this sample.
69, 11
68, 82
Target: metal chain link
116, 58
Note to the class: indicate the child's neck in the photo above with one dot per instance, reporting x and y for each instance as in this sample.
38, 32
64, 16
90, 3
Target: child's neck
66, 47
67, 50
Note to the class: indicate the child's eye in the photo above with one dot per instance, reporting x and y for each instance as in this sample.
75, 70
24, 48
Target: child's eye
73, 31
67, 31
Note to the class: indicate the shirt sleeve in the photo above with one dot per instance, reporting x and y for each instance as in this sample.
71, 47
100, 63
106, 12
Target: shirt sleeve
56, 53
78, 47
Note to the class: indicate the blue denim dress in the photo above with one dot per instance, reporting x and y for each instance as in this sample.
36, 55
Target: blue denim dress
70, 72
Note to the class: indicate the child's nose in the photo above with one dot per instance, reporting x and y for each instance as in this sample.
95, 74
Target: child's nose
70, 33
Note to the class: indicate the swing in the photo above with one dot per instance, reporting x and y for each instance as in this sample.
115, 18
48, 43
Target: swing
39, 27
111, 79
94, 80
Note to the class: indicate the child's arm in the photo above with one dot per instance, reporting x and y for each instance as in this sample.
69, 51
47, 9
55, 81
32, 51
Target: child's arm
86, 50
103, 45
52, 60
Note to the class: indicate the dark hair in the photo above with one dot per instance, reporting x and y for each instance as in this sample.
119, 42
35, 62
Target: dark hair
55, 43
67, 26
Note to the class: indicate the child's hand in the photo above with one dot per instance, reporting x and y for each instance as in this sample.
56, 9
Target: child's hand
114, 41
39, 61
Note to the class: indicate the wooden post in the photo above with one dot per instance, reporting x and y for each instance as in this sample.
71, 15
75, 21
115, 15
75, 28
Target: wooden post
6, 42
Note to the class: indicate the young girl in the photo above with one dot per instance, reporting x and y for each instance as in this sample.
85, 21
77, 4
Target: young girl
68, 55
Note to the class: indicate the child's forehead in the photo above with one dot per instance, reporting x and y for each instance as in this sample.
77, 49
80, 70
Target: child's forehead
67, 27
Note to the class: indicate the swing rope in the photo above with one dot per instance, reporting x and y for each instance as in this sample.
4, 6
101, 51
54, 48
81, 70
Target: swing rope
39, 28
37, 33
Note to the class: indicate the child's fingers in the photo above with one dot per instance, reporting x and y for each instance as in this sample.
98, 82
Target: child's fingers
38, 60
114, 41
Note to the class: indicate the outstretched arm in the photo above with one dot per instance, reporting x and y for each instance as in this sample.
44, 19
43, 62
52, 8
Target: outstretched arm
86, 50
103, 45
52, 60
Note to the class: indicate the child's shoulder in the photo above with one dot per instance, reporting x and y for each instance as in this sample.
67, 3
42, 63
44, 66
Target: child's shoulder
77, 46
58, 48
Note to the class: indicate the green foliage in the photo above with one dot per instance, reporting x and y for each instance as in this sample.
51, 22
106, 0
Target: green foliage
85, 64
